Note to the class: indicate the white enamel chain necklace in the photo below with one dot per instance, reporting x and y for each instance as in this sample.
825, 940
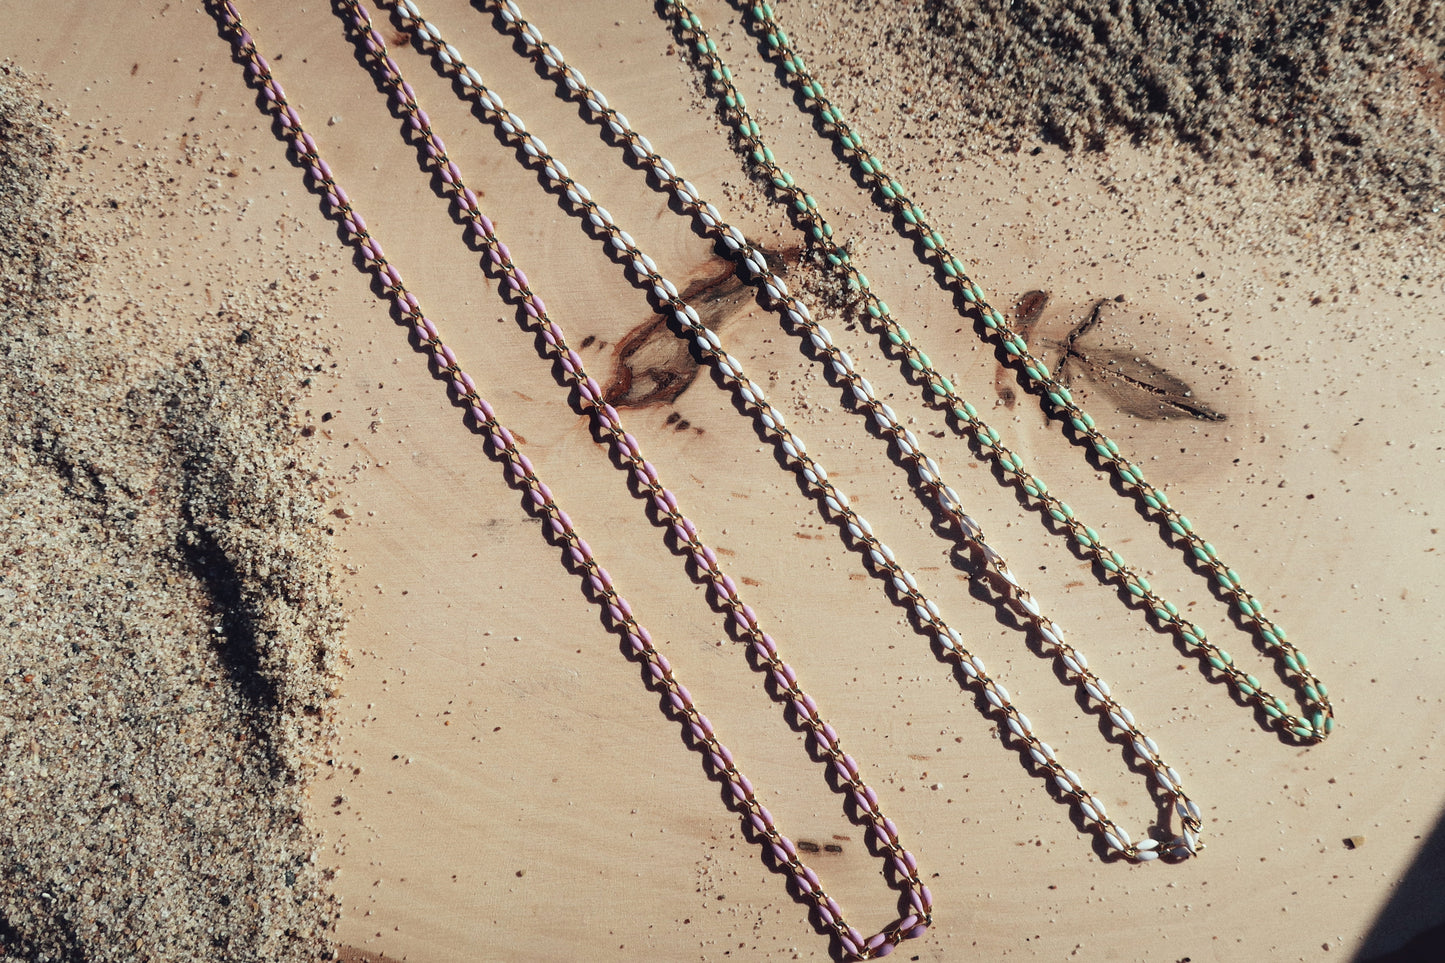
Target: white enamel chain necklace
900, 866
1180, 841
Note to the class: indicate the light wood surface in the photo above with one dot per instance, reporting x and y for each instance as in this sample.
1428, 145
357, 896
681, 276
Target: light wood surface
507, 788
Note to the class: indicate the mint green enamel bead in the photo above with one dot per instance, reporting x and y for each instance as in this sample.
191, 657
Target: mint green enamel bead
882, 306
1127, 476
1329, 724
1246, 608
1303, 732
1274, 712
946, 385
1254, 683
968, 294
1310, 693
1292, 663
977, 293
1245, 689
907, 214
949, 269
1317, 720
1324, 692
915, 363
940, 388
1143, 583
925, 360
897, 188
893, 338
1108, 564
1102, 449
1215, 661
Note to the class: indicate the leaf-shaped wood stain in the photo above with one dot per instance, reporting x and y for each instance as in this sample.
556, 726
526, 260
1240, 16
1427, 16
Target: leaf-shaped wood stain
1134, 385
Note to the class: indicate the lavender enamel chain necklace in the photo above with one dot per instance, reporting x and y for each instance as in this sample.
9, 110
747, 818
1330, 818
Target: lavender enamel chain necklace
781, 853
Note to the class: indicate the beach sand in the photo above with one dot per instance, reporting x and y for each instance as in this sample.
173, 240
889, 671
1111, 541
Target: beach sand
221, 447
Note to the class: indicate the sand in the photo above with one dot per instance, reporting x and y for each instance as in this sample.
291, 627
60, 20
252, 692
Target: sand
196, 765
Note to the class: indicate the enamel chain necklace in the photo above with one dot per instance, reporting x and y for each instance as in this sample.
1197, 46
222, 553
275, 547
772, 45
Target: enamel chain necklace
780, 852
753, 267
1318, 719
1181, 839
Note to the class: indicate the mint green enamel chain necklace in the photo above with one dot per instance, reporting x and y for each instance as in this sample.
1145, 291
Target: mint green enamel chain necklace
1317, 721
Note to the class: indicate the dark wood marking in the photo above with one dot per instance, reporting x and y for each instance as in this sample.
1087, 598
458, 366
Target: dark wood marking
1027, 312
588, 341
654, 366
1134, 385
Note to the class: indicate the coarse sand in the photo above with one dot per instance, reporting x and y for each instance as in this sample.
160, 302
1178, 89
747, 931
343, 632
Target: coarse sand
170, 635
1343, 97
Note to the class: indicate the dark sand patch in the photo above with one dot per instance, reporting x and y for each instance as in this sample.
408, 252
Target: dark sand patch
1345, 97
